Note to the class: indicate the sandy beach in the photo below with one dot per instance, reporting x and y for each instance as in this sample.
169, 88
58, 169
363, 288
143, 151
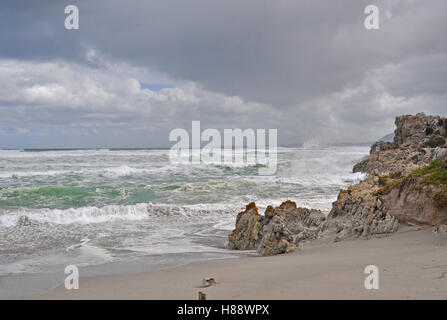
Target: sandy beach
412, 265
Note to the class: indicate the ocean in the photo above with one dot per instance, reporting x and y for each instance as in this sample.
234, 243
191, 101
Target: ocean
99, 206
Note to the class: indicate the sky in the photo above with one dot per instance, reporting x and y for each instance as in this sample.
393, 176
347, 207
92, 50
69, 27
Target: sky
135, 70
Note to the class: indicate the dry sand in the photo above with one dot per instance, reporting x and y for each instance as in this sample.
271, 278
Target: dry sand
412, 265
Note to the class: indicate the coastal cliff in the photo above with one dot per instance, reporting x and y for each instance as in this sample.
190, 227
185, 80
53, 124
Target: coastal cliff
406, 184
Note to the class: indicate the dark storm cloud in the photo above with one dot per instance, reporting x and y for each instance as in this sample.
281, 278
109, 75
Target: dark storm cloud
34, 30
270, 51
312, 61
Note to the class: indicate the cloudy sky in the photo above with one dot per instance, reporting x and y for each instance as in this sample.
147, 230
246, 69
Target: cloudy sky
135, 70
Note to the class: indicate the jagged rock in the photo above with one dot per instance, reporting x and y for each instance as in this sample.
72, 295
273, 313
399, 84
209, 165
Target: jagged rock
280, 230
416, 131
287, 226
248, 231
394, 160
411, 196
296, 218
276, 238
358, 212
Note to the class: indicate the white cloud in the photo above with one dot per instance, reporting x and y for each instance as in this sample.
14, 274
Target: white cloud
109, 95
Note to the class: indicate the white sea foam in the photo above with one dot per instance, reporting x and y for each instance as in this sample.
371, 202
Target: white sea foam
119, 171
111, 213
124, 171
84, 215
110, 192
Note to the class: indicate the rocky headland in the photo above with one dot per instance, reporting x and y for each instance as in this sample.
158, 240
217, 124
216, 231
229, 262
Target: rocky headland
406, 185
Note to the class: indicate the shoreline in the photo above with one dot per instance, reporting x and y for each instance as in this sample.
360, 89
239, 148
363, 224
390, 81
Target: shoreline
17, 286
411, 266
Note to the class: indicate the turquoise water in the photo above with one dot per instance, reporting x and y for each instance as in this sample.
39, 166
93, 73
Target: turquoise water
130, 203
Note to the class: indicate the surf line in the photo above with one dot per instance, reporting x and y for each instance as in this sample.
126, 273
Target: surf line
187, 310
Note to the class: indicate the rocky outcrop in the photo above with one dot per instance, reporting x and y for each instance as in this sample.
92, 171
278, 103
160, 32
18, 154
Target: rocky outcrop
420, 130
406, 184
418, 140
411, 179
395, 160
277, 238
287, 227
359, 213
279, 230
419, 197
248, 232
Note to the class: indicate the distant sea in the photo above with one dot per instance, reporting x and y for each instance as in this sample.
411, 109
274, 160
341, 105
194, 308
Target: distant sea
123, 205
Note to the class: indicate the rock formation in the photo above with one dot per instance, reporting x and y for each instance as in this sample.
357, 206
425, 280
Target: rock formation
406, 183
286, 227
248, 232
410, 180
394, 160
420, 131
419, 197
279, 230
359, 213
